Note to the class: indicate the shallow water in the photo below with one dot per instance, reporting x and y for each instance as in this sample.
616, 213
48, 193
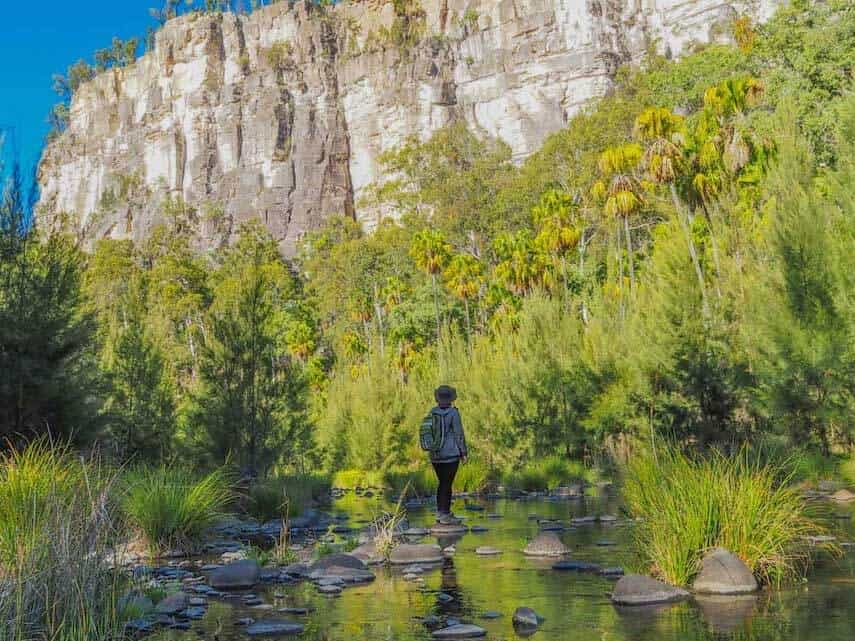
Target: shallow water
575, 605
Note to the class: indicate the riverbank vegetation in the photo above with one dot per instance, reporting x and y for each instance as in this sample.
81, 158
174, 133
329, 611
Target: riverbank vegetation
687, 506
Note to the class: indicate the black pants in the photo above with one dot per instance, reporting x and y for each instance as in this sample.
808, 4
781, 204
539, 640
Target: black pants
445, 473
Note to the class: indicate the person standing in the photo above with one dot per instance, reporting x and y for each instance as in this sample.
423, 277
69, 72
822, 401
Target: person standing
449, 452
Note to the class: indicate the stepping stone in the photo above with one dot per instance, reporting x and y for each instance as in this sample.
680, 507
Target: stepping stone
486, 550
546, 544
606, 543
526, 618
460, 631
235, 576
843, 496
607, 518
295, 611
337, 560
329, 589
196, 612
445, 530
635, 589
550, 526
576, 566
478, 529
722, 572
615, 571
417, 531
583, 520
409, 554
491, 614
172, 604
494, 516
442, 597
474, 508
273, 628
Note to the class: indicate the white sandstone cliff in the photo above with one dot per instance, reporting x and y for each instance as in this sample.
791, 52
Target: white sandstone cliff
282, 114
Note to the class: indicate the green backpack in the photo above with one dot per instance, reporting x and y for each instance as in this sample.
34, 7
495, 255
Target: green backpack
432, 432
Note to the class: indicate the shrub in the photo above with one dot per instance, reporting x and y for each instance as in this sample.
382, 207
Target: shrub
55, 536
420, 481
352, 479
170, 507
473, 476
268, 499
689, 505
548, 473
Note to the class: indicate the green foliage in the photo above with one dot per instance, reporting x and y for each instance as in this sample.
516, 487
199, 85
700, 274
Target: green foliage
688, 506
170, 507
287, 495
547, 474
47, 379
352, 478
55, 534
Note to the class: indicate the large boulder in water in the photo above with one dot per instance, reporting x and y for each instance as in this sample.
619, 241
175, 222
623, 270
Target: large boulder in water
338, 560
546, 544
722, 572
367, 553
409, 554
239, 575
636, 589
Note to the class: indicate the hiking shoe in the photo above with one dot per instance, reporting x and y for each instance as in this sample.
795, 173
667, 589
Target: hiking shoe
448, 519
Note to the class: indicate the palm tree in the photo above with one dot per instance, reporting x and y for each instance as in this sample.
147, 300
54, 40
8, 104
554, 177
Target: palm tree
521, 267
663, 163
558, 234
431, 252
464, 277
621, 190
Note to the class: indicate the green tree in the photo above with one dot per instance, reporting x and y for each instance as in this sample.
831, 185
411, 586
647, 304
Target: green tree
431, 253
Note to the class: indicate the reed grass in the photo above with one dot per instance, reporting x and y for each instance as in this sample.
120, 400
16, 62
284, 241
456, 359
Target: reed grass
549, 473
170, 507
688, 505
57, 580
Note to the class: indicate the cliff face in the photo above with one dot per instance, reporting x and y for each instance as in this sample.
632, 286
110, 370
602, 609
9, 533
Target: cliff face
282, 114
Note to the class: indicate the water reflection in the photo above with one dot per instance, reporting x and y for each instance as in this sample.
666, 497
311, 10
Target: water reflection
574, 605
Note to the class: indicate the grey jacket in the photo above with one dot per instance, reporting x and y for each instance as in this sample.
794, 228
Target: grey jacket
454, 446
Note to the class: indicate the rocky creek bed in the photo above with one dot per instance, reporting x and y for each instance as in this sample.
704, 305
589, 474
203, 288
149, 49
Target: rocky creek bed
544, 566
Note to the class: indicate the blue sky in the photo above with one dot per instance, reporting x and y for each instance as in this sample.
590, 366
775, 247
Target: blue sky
41, 37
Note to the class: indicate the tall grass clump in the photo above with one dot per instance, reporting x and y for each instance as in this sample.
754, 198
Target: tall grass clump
547, 474
171, 508
269, 499
56, 577
420, 481
687, 506
473, 477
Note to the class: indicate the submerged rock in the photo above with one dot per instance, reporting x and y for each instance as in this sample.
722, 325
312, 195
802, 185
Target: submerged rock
486, 550
273, 628
235, 576
460, 631
546, 544
722, 572
576, 566
636, 589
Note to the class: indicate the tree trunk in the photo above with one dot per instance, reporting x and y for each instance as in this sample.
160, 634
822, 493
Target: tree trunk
692, 250
629, 255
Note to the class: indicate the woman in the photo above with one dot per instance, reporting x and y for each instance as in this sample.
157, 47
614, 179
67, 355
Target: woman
447, 459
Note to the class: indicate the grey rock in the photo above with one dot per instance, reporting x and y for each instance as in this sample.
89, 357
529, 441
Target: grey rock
238, 575
172, 604
486, 550
337, 560
526, 618
636, 589
546, 544
194, 612
460, 631
272, 628
722, 572
409, 554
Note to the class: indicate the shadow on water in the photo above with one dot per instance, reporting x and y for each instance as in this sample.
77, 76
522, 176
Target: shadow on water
574, 605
